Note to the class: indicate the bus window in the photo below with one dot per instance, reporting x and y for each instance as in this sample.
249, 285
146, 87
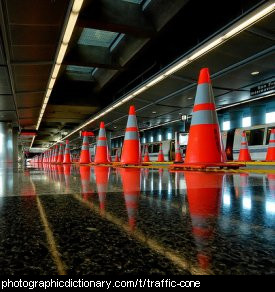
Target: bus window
268, 135
155, 148
150, 148
255, 137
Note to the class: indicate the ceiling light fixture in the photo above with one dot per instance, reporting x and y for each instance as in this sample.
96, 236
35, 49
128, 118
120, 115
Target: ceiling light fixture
219, 39
77, 4
255, 73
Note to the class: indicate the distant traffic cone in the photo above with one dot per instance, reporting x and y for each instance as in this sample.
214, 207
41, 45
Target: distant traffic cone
131, 146
160, 155
101, 155
178, 157
60, 156
67, 155
204, 192
244, 151
146, 157
116, 157
204, 142
85, 151
131, 188
270, 155
102, 177
55, 155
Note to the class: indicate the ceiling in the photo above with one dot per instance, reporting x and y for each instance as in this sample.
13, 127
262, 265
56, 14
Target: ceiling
116, 45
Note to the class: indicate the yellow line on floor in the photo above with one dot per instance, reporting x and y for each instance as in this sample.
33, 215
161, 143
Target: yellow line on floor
61, 268
142, 238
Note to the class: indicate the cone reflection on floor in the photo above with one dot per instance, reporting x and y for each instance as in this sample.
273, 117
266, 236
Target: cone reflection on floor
102, 177
60, 156
131, 145
244, 151
85, 151
85, 178
204, 194
131, 188
160, 155
204, 141
102, 155
178, 157
271, 184
116, 157
67, 154
146, 157
67, 174
270, 155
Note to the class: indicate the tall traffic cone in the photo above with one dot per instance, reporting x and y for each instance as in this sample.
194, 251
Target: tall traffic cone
116, 157
131, 146
60, 156
101, 155
270, 155
102, 177
67, 155
85, 151
160, 155
204, 192
204, 142
244, 151
178, 157
146, 157
131, 188
55, 155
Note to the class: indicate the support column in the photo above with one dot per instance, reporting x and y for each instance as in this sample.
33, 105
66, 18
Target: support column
235, 118
6, 143
258, 115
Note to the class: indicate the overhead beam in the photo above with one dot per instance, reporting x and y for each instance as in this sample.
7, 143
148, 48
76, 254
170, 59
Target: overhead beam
91, 56
116, 16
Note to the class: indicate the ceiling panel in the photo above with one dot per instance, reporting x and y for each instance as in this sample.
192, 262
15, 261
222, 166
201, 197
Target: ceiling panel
6, 102
4, 81
29, 99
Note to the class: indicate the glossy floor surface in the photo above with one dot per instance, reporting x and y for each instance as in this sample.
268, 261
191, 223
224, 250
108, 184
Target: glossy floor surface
101, 220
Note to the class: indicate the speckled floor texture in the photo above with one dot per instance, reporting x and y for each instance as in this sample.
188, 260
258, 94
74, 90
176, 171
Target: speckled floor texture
82, 220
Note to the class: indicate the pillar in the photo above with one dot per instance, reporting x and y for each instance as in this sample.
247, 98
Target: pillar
235, 118
258, 115
8, 142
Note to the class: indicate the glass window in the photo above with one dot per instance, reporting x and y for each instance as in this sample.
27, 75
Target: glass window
150, 148
270, 117
155, 148
226, 125
246, 122
160, 137
169, 136
255, 137
152, 139
144, 140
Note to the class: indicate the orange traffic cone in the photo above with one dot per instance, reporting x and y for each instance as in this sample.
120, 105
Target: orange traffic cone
67, 155
178, 157
160, 155
204, 142
270, 155
55, 154
244, 151
131, 188
85, 152
146, 157
102, 178
204, 192
101, 155
131, 146
116, 157
60, 156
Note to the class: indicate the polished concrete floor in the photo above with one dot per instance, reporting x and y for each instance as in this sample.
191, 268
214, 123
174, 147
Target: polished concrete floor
100, 220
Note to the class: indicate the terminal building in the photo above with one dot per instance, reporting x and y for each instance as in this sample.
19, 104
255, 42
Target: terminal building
137, 137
